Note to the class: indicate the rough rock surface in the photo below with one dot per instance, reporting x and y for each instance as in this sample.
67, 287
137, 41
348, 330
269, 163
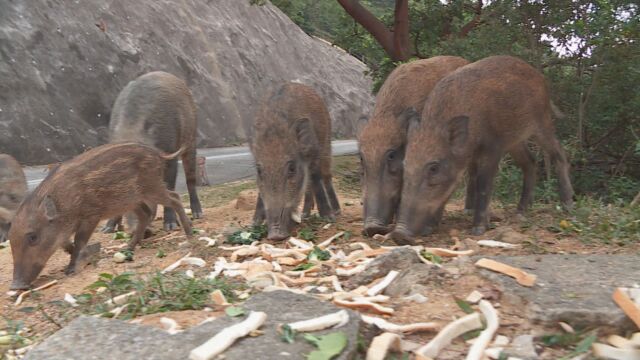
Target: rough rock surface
416, 274
575, 289
96, 338
398, 259
63, 63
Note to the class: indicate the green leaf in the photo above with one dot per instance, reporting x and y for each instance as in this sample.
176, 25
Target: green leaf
106, 276
246, 236
431, 257
27, 309
98, 284
128, 253
471, 334
288, 334
328, 345
195, 231
160, 254
462, 304
121, 235
307, 234
234, 311
303, 267
585, 344
319, 254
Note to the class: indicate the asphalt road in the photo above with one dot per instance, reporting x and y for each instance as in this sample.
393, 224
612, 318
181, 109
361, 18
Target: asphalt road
223, 164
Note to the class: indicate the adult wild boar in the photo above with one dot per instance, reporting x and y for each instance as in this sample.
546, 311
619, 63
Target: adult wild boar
13, 186
104, 182
157, 109
473, 117
292, 149
382, 139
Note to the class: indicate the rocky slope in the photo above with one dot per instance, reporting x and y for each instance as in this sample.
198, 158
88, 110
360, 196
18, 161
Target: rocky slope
62, 64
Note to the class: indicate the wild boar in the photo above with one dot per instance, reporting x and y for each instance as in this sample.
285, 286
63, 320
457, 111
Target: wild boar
13, 187
292, 149
472, 118
157, 109
103, 182
382, 139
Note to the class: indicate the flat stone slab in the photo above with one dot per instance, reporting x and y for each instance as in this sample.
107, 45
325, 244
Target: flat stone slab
89, 338
575, 289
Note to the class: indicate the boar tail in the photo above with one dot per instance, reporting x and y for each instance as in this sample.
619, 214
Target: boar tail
556, 111
174, 155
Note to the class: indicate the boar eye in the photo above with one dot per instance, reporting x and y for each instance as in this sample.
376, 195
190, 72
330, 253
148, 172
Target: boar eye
32, 238
291, 168
392, 155
433, 168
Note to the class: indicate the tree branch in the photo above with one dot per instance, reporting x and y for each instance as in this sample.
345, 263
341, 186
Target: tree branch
466, 29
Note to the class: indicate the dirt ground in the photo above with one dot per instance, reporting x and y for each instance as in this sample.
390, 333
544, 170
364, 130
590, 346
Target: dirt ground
49, 314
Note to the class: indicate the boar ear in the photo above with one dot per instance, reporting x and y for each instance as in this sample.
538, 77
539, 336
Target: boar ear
306, 136
458, 131
409, 118
49, 208
361, 124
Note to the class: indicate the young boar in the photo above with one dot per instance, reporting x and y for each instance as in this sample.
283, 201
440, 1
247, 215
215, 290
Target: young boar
382, 140
157, 109
104, 182
13, 187
473, 117
292, 149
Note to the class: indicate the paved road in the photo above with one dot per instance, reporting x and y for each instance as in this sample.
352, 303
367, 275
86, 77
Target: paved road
223, 164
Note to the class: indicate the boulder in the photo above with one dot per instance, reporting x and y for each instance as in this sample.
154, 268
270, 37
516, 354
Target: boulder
63, 64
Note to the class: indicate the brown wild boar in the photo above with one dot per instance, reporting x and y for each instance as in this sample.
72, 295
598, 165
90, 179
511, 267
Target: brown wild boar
292, 149
103, 182
157, 109
473, 117
13, 187
382, 139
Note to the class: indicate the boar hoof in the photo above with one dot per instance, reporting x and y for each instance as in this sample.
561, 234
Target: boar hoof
372, 230
108, 229
478, 230
70, 270
169, 226
468, 211
196, 214
401, 238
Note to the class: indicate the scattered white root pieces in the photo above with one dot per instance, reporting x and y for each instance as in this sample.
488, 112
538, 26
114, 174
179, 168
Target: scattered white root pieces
296, 217
222, 340
328, 242
384, 325
189, 273
218, 298
500, 340
350, 272
70, 299
355, 255
609, 352
364, 305
382, 344
326, 226
359, 245
303, 273
333, 320
380, 237
276, 266
336, 283
170, 325
482, 342
566, 327
185, 260
523, 278
496, 244
249, 251
296, 282
620, 342
120, 299
289, 261
271, 288
448, 333
301, 244
494, 353
379, 287
117, 311
623, 299
210, 241
375, 298
448, 253
417, 298
12, 293
474, 297
28, 292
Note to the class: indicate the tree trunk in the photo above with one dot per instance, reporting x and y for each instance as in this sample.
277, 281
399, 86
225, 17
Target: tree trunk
394, 42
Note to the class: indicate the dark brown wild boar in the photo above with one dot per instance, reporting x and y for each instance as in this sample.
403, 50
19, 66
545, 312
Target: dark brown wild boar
13, 187
382, 139
104, 182
157, 109
292, 149
473, 117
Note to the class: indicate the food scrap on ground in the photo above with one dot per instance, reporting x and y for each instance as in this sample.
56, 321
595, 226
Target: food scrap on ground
24, 294
523, 278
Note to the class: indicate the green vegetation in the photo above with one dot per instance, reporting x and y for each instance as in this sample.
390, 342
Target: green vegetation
154, 293
247, 235
221, 194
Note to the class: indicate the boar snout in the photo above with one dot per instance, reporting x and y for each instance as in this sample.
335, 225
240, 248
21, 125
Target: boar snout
22, 279
279, 224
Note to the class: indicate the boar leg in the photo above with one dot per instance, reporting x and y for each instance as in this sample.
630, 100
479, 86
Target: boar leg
82, 236
143, 215
259, 215
189, 165
551, 145
487, 169
320, 194
112, 225
308, 202
170, 174
470, 200
527, 163
331, 193
173, 201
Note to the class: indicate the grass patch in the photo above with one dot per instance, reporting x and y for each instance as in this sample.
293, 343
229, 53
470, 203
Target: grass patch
221, 194
347, 174
155, 293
